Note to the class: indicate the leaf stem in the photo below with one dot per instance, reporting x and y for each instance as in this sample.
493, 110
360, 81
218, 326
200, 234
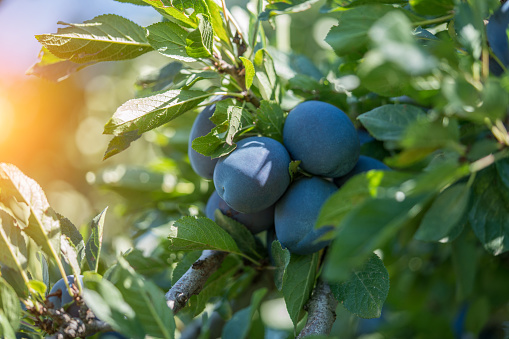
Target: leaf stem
434, 21
488, 160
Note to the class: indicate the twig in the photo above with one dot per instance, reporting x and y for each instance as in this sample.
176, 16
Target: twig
72, 327
321, 309
194, 279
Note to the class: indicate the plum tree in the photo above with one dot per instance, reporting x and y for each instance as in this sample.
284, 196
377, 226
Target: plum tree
330, 147
364, 164
296, 214
255, 222
254, 176
59, 296
496, 32
201, 164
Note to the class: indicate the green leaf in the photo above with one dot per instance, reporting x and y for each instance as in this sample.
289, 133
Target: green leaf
134, 2
242, 321
364, 293
6, 330
73, 246
432, 7
445, 213
249, 70
158, 80
200, 41
366, 228
351, 33
265, 75
465, 261
489, 215
44, 226
94, 242
107, 37
244, 239
298, 282
147, 300
281, 258
9, 305
145, 114
13, 249
70, 255
174, 14
355, 191
389, 122
189, 233
285, 7
469, 27
53, 68
169, 39
217, 21
213, 145
293, 168
108, 304
270, 119
120, 143
234, 123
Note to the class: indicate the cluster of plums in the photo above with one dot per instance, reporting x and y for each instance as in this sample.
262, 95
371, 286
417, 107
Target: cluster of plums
253, 184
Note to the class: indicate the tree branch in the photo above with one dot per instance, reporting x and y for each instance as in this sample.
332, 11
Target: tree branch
194, 279
72, 327
321, 309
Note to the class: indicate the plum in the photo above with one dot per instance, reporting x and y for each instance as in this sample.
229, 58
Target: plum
364, 164
322, 137
296, 214
255, 222
496, 32
254, 176
64, 298
202, 165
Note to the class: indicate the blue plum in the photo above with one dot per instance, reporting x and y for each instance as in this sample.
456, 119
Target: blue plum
296, 214
496, 32
255, 222
254, 176
364, 164
322, 137
64, 298
202, 165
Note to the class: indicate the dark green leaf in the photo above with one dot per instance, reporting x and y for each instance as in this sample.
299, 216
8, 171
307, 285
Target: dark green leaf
281, 259
94, 242
298, 282
212, 144
432, 7
107, 37
489, 215
71, 232
469, 27
169, 39
389, 122
244, 239
217, 21
270, 119
364, 293
147, 300
145, 114
445, 213
9, 304
108, 304
465, 264
199, 42
242, 321
189, 233
285, 7
366, 228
